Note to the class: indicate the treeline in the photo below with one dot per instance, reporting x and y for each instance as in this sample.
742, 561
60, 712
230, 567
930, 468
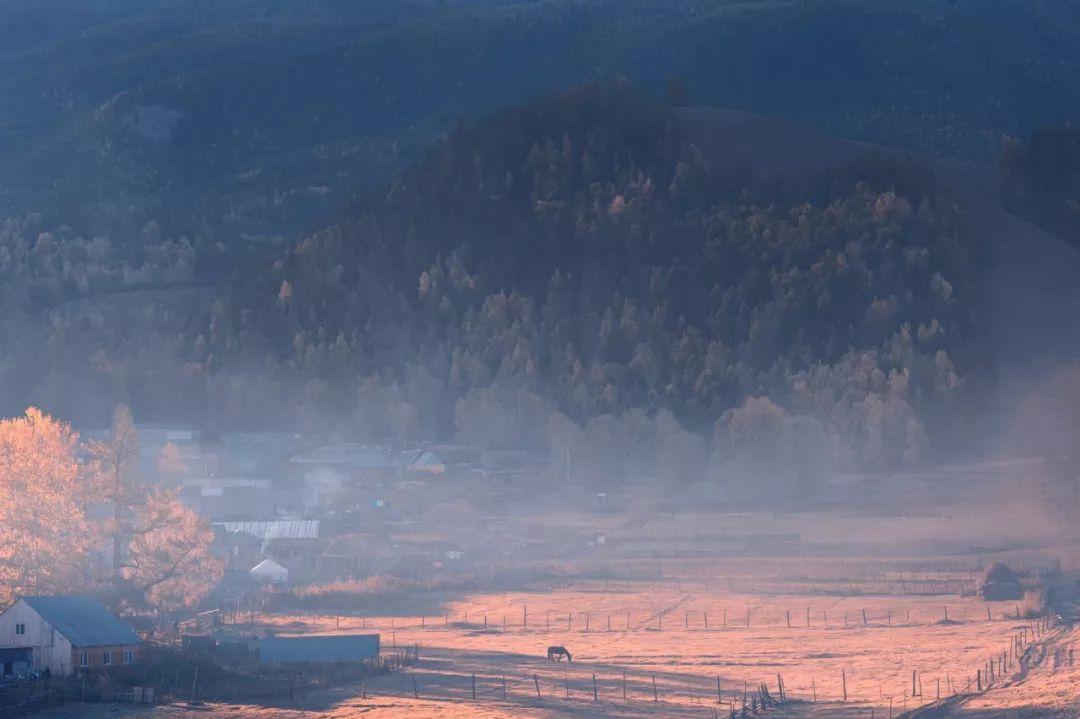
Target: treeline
557, 274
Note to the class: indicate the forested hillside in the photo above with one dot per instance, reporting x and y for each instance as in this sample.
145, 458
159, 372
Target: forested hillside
287, 108
260, 214
568, 274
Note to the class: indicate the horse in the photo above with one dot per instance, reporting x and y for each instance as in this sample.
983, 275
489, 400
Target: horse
555, 654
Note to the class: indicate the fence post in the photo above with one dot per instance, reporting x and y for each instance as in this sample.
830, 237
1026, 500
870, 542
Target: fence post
655, 696
843, 682
474, 685
504, 687
595, 695
537, 683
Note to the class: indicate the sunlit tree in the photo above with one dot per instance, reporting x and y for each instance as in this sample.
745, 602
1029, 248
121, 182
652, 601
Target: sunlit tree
45, 539
161, 549
169, 560
114, 460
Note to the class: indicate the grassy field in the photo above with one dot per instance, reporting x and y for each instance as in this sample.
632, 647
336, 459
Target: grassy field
677, 614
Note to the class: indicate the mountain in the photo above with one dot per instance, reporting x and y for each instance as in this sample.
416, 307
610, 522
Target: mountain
261, 213
176, 101
593, 254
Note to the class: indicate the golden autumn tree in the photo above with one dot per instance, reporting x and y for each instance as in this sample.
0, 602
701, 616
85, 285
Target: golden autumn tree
114, 460
45, 538
160, 548
169, 559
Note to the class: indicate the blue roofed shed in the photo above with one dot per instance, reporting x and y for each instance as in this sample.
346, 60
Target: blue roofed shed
319, 649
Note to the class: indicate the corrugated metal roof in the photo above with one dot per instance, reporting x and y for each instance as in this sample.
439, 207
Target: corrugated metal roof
85, 622
337, 648
275, 529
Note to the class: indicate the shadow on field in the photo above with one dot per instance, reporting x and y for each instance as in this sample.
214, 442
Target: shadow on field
464, 676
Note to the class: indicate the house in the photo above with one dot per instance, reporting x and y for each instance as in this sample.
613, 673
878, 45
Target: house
378, 463
239, 550
284, 539
63, 635
228, 498
354, 555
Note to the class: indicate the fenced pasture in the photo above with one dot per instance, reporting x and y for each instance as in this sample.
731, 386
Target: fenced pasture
685, 646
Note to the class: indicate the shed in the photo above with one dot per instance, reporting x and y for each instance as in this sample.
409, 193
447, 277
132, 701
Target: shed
63, 634
269, 572
319, 649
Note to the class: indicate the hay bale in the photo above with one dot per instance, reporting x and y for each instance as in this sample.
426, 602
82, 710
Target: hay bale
1000, 583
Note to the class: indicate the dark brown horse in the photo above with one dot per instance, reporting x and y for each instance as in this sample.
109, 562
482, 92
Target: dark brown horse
555, 654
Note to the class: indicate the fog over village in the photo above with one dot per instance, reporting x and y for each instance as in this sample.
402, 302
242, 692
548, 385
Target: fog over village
539, 358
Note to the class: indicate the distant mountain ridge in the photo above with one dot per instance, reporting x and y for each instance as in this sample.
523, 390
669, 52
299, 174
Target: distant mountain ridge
279, 96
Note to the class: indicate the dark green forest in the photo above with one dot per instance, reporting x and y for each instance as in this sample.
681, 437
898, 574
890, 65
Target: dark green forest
322, 216
1042, 180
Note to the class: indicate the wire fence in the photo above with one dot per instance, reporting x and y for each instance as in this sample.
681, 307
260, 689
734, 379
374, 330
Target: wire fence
1024, 647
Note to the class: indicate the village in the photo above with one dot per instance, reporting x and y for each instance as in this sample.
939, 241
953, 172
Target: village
286, 514
438, 576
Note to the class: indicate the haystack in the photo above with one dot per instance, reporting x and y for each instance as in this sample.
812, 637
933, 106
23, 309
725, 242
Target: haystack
1000, 583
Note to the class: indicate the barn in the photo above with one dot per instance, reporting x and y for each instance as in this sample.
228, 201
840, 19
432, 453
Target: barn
63, 635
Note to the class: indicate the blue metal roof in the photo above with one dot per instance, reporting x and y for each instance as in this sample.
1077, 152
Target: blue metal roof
335, 648
83, 621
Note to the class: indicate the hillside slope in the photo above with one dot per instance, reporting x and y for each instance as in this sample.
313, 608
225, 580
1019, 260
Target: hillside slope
170, 101
1030, 294
571, 274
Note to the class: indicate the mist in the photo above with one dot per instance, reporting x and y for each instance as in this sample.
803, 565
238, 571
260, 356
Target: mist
466, 357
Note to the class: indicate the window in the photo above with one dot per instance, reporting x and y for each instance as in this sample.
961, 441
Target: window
106, 658
20, 629
84, 659
129, 656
